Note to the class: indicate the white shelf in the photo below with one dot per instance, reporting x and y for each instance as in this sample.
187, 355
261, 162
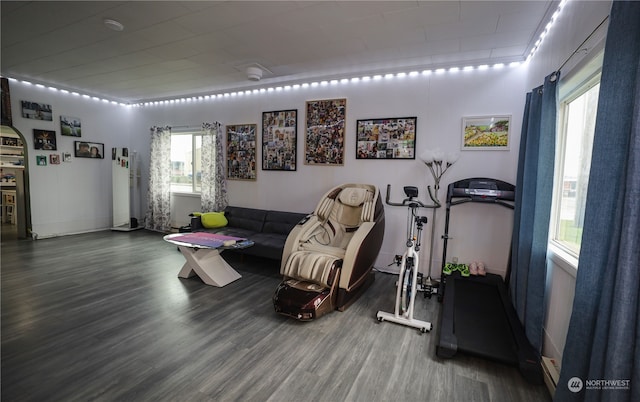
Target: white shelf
10, 154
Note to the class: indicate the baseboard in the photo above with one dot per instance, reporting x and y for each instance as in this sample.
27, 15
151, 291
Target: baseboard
551, 373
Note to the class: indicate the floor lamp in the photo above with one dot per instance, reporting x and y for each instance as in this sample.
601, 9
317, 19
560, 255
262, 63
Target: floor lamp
438, 163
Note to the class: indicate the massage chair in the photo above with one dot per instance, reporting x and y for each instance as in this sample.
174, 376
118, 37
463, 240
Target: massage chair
328, 257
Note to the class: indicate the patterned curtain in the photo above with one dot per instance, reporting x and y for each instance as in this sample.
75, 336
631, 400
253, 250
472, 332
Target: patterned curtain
214, 185
158, 215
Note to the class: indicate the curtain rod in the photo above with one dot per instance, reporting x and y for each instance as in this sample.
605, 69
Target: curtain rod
583, 42
188, 127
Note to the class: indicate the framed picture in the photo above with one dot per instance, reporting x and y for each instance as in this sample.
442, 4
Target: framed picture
66, 156
54, 159
279, 140
241, 152
38, 111
70, 126
486, 132
388, 138
324, 136
44, 139
41, 160
84, 149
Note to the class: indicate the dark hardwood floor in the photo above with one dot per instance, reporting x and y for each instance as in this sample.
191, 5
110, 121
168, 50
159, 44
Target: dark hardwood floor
103, 316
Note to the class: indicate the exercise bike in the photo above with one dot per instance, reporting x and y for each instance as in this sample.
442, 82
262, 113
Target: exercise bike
408, 279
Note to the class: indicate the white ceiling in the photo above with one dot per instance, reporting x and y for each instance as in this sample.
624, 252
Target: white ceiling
177, 48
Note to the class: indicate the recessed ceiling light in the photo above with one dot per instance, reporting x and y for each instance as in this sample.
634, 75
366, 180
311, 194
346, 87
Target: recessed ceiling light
113, 25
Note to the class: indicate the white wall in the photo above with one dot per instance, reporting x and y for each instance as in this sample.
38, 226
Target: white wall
70, 197
575, 24
439, 101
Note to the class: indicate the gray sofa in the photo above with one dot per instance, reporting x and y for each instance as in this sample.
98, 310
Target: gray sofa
267, 229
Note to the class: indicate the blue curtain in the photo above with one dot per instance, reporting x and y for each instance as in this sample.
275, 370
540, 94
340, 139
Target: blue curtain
534, 189
602, 350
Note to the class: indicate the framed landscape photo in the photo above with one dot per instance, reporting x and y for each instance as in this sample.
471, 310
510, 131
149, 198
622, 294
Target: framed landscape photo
324, 132
85, 149
279, 140
386, 138
486, 132
70, 126
44, 139
241, 152
38, 111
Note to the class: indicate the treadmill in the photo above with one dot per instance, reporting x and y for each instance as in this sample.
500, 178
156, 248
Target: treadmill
477, 315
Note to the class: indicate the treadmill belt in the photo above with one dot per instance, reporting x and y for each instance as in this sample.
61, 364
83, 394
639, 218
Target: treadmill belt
480, 323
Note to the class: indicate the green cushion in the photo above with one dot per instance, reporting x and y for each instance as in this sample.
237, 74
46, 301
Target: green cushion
212, 220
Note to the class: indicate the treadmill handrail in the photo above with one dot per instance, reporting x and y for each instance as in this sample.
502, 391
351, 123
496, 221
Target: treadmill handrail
488, 200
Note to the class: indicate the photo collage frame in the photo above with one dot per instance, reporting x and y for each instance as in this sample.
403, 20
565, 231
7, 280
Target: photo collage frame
388, 138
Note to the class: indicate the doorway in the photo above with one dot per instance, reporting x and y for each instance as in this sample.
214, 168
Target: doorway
14, 186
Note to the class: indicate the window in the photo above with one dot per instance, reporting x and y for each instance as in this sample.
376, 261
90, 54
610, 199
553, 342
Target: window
186, 166
578, 118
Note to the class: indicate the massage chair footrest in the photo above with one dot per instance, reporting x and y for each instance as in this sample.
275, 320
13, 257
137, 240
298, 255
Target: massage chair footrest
304, 301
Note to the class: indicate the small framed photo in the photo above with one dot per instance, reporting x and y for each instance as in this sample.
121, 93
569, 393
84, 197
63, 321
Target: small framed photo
37, 111
486, 132
70, 126
44, 140
41, 160
241, 152
279, 140
388, 138
66, 157
84, 149
54, 159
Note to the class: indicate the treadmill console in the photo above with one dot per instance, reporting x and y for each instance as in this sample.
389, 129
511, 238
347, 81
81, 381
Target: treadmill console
481, 190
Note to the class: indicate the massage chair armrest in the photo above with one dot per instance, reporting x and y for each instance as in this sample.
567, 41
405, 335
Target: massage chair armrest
361, 250
296, 235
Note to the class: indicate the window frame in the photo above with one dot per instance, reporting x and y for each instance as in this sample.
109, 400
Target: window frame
193, 135
560, 252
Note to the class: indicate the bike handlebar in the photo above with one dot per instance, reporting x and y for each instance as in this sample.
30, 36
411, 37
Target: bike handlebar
409, 201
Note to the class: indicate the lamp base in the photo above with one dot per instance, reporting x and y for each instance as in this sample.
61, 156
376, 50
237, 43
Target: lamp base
429, 281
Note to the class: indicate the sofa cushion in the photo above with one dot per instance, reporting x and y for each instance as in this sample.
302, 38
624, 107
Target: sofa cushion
268, 245
245, 218
281, 222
